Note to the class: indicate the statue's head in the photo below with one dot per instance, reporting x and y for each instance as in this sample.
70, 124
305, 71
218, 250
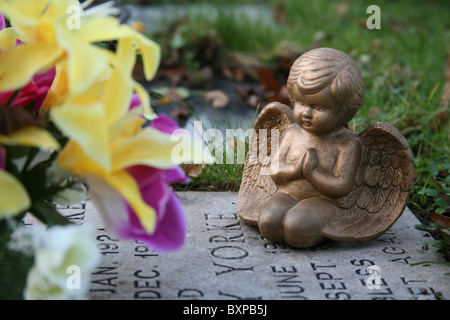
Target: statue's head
330, 69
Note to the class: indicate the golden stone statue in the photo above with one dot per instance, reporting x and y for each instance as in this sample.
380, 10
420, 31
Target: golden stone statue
323, 180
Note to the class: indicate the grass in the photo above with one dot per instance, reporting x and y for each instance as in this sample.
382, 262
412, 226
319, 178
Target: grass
403, 65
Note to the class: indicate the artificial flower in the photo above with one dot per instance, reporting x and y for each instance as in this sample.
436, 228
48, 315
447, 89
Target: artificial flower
129, 145
48, 39
35, 91
15, 198
31, 137
153, 183
105, 103
61, 81
64, 259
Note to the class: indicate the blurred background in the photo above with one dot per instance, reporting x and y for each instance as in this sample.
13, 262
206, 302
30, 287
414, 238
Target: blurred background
223, 61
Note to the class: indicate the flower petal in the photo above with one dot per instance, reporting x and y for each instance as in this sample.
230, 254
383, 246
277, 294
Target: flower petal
32, 59
129, 189
109, 203
85, 124
149, 147
58, 89
175, 175
14, 198
117, 94
170, 232
164, 123
145, 101
108, 28
31, 136
8, 38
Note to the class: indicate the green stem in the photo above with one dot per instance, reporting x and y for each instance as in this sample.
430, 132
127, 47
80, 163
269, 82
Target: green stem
31, 155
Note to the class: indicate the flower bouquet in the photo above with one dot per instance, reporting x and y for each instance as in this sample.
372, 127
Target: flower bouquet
74, 124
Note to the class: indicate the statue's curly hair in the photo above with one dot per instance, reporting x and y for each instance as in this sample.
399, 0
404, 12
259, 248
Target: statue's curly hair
316, 69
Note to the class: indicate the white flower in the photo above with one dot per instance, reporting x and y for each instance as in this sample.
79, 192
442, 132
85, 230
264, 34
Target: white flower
23, 239
64, 259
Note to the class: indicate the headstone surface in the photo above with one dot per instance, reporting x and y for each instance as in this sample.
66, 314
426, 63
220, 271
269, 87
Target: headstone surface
225, 259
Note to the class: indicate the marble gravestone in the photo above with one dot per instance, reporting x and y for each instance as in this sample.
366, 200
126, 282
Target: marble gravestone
223, 258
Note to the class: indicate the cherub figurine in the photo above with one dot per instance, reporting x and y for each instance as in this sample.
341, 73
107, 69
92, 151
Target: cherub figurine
324, 181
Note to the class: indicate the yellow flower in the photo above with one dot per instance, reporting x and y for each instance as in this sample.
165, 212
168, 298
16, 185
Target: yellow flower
49, 39
90, 96
93, 86
15, 198
31, 137
128, 145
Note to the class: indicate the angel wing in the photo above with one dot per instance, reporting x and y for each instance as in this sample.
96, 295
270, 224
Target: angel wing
257, 185
383, 182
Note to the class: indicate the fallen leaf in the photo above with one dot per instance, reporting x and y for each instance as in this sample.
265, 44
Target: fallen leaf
343, 8
268, 81
445, 100
279, 13
193, 170
175, 75
282, 96
217, 98
252, 97
274, 90
236, 74
439, 120
180, 111
442, 221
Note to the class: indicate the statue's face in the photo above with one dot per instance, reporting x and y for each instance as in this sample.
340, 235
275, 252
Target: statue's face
317, 113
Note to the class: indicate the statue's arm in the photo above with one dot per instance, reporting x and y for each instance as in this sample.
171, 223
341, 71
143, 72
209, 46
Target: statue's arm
340, 182
283, 171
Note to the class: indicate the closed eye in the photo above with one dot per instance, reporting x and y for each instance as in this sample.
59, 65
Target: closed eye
318, 108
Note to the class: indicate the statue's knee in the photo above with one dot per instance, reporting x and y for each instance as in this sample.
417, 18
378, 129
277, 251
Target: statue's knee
302, 230
270, 225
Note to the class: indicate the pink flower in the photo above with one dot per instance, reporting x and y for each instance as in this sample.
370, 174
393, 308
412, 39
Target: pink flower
154, 183
2, 22
135, 101
170, 228
35, 90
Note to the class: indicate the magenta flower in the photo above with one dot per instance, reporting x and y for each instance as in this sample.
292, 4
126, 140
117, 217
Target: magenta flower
170, 231
2, 22
35, 90
135, 101
170, 228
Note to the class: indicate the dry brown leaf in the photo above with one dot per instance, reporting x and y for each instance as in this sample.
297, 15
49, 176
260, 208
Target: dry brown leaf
251, 97
440, 219
343, 8
217, 98
193, 170
268, 81
180, 111
236, 74
445, 100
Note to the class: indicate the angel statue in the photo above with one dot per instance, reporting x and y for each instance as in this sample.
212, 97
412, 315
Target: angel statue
324, 180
